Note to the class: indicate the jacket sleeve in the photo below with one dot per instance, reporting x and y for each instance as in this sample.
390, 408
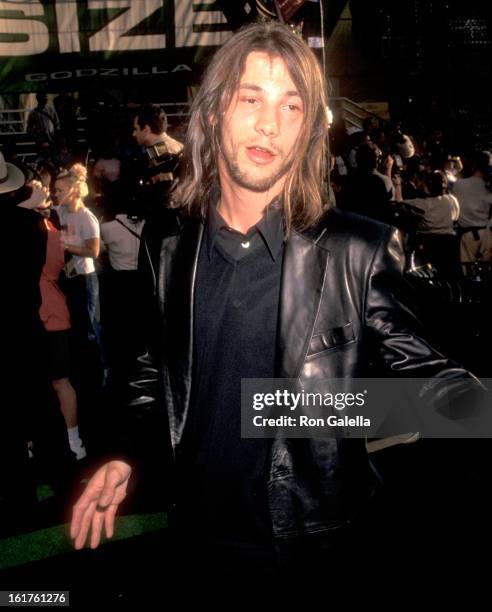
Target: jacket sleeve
399, 335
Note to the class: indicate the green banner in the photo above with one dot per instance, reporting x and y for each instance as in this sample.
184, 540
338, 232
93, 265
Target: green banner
57, 45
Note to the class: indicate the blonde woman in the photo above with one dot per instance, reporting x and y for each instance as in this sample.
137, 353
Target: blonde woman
80, 239
56, 320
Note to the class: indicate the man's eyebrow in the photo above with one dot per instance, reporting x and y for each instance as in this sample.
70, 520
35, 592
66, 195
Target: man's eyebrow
290, 92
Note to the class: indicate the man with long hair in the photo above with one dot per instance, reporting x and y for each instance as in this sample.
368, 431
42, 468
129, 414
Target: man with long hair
252, 277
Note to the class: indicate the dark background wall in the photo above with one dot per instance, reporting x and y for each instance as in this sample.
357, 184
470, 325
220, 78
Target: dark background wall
437, 60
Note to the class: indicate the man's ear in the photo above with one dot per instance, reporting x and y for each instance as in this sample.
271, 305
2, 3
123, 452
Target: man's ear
212, 119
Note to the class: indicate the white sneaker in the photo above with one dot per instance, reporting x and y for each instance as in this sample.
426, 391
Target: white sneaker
79, 451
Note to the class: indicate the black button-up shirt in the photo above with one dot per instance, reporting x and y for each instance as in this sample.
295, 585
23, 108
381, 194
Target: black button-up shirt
235, 330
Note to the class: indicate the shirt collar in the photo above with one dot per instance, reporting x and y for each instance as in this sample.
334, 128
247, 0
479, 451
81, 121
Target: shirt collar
270, 227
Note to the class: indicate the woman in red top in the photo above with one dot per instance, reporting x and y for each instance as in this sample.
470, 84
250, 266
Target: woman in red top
56, 320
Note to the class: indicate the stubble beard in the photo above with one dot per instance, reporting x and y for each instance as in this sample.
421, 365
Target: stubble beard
244, 180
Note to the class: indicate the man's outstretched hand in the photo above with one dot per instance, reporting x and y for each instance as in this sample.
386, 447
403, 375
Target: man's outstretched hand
99, 502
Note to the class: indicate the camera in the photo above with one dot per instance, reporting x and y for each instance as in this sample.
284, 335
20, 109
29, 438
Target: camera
162, 165
154, 176
397, 165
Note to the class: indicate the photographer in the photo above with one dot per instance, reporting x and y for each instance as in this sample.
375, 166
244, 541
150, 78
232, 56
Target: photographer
152, 173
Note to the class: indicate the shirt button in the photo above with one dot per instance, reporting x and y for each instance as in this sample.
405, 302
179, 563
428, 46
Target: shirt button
236, 303
245, 245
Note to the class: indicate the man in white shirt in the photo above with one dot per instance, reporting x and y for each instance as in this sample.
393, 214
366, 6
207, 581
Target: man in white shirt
475, 206
121, 237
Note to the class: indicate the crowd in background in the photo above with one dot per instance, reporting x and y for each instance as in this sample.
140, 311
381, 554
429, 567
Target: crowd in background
82, 213
440, 197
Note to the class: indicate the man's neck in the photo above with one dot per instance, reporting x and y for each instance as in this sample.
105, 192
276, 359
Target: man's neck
241, 208
74, 205
154, 139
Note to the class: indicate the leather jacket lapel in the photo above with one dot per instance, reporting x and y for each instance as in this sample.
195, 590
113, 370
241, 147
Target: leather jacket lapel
303, 278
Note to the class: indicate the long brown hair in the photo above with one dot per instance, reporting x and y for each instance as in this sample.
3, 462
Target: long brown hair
304, 192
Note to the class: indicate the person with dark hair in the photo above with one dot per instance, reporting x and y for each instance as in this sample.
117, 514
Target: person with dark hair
253, 276
43, 122
369, 192
150, 128
370, 125
149, 178
150, 119
436, 236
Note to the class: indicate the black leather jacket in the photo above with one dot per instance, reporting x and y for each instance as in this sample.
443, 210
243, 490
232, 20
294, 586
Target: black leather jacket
341, 311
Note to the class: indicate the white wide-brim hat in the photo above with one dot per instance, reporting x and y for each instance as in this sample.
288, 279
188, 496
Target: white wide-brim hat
11, 177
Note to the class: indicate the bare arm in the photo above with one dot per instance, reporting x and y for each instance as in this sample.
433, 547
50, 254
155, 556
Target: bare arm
455, 208
397, 186
91, 248
38, 197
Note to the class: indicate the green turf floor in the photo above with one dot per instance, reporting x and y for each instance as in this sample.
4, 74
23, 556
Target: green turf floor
45, 543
